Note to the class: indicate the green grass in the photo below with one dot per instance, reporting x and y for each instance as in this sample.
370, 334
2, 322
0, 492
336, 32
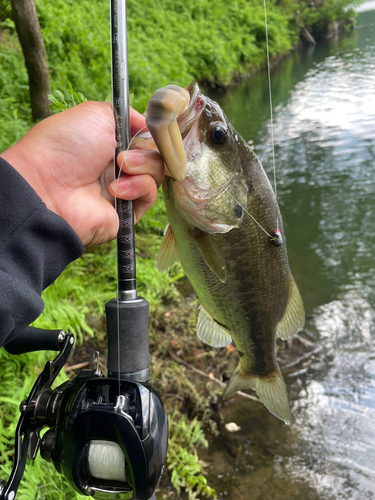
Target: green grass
18, 374
183, 462
169, 41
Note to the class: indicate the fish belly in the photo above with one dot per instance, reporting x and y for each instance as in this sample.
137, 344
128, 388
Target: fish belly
252, 300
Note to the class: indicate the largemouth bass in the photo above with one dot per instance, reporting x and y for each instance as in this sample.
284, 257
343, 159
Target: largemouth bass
226, 229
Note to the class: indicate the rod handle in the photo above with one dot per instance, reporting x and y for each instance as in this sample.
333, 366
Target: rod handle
127, 331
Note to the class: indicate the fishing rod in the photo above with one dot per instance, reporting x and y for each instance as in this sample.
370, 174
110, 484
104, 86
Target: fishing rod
106, 435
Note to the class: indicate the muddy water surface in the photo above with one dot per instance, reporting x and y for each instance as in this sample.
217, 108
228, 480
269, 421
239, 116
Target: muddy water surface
324, 129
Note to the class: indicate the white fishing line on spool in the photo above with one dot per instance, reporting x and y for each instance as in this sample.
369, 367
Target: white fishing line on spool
106, 460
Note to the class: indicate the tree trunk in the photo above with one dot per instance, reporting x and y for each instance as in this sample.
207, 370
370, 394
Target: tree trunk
28, 29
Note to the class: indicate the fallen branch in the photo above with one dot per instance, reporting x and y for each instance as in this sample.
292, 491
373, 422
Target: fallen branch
209, 376
302, 358
78, 366
297, 374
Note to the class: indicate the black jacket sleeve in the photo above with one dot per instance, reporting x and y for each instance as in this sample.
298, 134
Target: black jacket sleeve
35, 247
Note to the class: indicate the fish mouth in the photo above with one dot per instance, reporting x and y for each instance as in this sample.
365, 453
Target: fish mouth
193, 111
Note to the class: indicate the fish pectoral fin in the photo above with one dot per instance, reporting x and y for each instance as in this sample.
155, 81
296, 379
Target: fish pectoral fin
294, 315
271, 390
210, 252
167, 254
211, 332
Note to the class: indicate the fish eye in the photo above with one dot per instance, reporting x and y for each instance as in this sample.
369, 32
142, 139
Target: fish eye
218, 135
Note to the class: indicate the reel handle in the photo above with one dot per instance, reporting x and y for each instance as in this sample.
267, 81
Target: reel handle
36, 339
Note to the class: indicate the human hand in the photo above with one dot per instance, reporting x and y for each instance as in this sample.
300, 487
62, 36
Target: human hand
65, 159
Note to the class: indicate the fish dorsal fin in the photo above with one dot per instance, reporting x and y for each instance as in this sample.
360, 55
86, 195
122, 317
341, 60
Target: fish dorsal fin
210, 332
294, 315
270, 389
167, 254
210, 252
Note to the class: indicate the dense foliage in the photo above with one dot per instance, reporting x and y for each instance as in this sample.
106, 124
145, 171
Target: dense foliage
169, 41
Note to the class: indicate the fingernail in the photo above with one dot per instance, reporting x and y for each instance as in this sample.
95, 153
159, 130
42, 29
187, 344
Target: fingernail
134, 158
120, 186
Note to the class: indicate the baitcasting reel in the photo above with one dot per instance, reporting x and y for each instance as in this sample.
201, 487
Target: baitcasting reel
107, 435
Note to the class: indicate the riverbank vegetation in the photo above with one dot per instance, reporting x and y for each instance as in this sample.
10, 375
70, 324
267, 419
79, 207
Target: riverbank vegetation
169, 41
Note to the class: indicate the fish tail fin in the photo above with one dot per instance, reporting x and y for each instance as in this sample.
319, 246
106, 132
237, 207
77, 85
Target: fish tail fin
270, 389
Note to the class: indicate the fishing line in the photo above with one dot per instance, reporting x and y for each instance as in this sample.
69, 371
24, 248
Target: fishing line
270, 97
118, 309
118, 297
123, 159
249, 214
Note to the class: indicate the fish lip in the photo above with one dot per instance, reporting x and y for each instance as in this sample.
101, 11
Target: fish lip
193, 111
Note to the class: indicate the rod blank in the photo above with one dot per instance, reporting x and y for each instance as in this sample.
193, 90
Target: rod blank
126, 270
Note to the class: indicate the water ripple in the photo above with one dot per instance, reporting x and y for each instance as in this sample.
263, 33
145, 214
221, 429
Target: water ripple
324, 129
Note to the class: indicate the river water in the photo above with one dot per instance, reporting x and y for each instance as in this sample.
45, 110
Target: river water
324, 132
